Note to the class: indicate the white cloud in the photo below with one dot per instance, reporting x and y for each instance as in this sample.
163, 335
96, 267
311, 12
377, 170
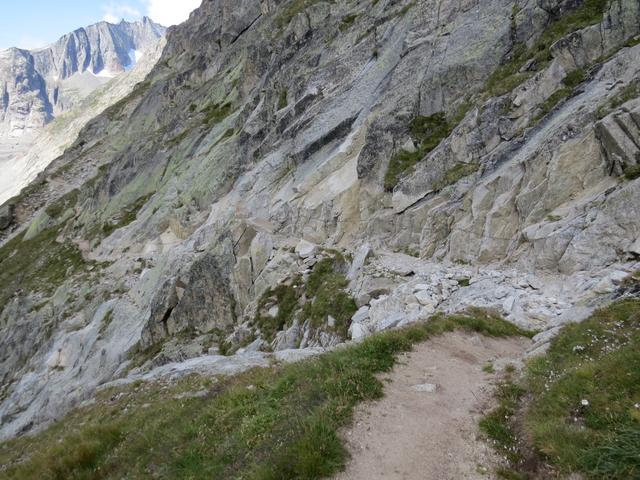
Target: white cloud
110, 17
114, 12
170, 12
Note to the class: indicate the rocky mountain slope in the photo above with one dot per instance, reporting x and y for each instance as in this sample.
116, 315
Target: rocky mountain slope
26, 156
292, 174
40, 85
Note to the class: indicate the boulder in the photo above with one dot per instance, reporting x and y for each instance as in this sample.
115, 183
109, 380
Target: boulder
509, 303
363, 300
393, 319
618, 141
425, 388
358, 262
297, 354
361, 315
427, 311
425, 298
358, 331
634, 248
373, 288
255, 346
305, 249
288, 339
6, 216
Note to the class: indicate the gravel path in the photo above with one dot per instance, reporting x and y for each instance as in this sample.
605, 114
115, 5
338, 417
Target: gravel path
416, 433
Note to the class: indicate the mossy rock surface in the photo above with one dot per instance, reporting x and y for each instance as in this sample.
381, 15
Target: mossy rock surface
427, 132
323, 295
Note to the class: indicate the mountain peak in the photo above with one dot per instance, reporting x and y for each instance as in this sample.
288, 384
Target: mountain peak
37, 80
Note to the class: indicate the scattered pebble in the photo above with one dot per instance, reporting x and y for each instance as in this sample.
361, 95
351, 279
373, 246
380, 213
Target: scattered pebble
425, 388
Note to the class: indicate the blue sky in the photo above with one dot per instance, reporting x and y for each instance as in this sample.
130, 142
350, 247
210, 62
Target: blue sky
36, 23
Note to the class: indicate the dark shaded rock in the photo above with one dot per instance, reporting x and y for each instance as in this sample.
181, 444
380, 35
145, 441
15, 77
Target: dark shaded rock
6, 216
204, 304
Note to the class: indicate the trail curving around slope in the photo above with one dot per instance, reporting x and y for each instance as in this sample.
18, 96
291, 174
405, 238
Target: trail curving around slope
414, 433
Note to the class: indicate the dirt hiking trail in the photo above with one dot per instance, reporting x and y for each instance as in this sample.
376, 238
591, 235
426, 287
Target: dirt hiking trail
415, 433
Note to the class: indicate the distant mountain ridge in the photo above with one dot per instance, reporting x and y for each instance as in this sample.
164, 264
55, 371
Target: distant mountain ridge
25, 157
99, 47
37, 85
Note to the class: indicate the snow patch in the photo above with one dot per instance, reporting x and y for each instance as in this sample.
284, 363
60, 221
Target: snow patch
104, 73
134, 58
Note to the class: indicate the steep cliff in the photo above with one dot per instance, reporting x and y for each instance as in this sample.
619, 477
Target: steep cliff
294, 173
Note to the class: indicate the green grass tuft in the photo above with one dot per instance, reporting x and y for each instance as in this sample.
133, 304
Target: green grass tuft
325, 294
286, 298
455, 174
326, 287
347, 22
215, 113
127, 216
575, 78
497, 424
282, 100
632, 172
489, 368
400, 163
597, 362
551, 102
427, 133
628, 92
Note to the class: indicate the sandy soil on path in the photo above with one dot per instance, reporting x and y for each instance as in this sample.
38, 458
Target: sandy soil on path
424, 435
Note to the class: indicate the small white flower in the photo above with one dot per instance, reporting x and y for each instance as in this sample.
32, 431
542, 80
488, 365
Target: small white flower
637, 405
585, 403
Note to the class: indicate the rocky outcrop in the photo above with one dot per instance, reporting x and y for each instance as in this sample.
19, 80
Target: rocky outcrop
205, 203
202, 303
6, 216
619, 134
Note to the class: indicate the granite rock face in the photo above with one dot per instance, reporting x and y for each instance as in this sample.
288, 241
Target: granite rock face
204, 203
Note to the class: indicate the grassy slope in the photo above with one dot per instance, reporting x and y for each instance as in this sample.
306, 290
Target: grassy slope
542, 419
40, 264
275, 423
